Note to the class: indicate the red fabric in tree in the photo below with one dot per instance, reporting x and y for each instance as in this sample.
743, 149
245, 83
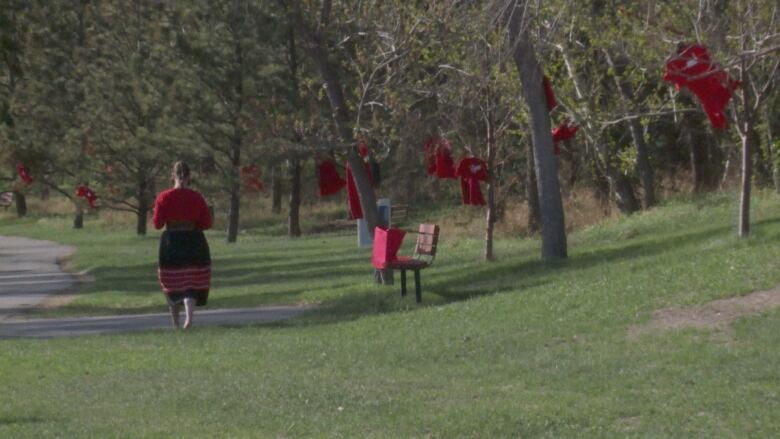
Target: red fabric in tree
353, 198
692, 67
330, 181
564, 131
86, 193
386, 245
549, 94
471, 171
21, 170
250, 177
438, 156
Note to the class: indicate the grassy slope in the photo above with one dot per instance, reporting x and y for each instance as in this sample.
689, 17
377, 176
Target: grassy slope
513, 348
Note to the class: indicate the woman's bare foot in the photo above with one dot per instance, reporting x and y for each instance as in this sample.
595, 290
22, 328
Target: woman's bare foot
175, 310
189, 310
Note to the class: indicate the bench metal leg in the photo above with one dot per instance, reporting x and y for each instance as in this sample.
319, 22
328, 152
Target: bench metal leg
403, 283
417, 286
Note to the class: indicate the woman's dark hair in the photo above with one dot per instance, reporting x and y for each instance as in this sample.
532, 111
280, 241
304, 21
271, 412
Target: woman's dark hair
181, 171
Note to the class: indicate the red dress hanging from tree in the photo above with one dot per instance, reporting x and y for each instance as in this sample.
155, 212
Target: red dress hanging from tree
472, 171
330, 182
692, 67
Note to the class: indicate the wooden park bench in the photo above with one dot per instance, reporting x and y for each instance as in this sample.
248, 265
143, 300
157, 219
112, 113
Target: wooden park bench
6, 199
424, 254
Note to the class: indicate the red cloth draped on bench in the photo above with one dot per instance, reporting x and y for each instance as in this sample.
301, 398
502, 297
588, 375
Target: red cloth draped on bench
386, 245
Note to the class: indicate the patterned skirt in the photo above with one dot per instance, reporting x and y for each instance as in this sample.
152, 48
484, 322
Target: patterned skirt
185, 266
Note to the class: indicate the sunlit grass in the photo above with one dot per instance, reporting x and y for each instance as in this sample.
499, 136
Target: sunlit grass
516, 348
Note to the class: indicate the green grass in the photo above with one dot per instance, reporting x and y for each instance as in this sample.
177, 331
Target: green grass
516, 348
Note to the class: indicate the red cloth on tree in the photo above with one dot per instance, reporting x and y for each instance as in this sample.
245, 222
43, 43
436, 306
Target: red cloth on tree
549, 95
330, 181
353, 199
564, 131
181, 204
386, 245
471, 171
362, 149
88, 194
23, 174
692, 67
250, 177
438, 155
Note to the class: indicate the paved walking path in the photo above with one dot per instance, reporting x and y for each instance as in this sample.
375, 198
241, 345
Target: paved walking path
72, 327
30, 273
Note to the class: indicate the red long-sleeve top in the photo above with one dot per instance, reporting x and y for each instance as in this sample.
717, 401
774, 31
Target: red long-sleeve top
181, 204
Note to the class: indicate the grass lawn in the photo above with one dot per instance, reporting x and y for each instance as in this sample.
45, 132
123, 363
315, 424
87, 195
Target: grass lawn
515, 348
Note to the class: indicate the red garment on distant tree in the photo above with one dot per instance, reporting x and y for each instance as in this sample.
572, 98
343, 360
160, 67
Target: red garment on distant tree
250, 177
564, 131
471, 171
23, 174
692, 67
88, 194
549, 95
438, 154
330, 181
353, 198
362, 149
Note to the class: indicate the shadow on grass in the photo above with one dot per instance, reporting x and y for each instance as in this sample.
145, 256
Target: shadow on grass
343, 269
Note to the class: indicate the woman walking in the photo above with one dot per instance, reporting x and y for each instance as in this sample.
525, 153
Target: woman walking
185, 262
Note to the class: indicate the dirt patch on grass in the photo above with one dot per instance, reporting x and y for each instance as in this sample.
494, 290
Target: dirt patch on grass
716, 315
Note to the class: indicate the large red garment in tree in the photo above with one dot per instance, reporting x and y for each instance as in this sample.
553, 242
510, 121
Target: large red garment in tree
23, 174
353, 199
250, 177
386, 245
692, 67
549, 94
330, 181
471, 171
87, 194
438, 156
562, 132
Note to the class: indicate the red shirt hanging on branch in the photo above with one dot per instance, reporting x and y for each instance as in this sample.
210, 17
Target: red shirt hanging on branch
549, 95
471, 171
88, 194
353, 198
438, 156
563, 132
250, 177
23, 174
330, 181
692, 67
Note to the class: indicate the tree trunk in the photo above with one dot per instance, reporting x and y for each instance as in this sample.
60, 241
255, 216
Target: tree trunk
143, 208
78, 218
293, 218
645, 171
490, 216
771, 151
643, 167
233, 210
747, 174
317, 50
276, 189
21, 204
746, 135
697, 176
531, 192
550, 205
